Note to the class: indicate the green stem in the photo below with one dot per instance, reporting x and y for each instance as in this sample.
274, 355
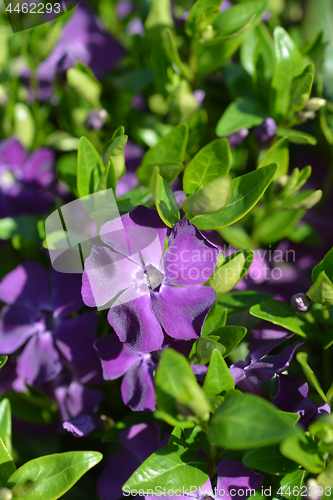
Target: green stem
212, 459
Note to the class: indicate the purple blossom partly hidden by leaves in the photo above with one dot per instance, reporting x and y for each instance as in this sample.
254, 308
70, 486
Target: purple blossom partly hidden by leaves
135, 27
96, 119
139, 442
237, 138
226, 4
124, 8
292, 395
133, 156
258, 367
25, 181
199, 96
139, 102
266, 131
82, 39
146, 289
80, 426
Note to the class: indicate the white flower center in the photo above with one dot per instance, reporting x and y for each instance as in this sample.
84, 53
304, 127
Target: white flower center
7, 179
149, 277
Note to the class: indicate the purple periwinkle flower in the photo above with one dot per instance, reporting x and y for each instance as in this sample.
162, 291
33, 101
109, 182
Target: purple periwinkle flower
135, 27
147, 290
292, 395
226, 4
266, 131
82, 39
80, 426
300, 303
237, 138
124, 8
38, 313
96, 119
25, 181
199, 96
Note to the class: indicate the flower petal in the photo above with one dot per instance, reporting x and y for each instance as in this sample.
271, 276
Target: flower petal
182, 311
66, 293
137, 388
141, 439
80, 426
116, 357
190, 258
118, 469
17, 325
39, 167
232, 474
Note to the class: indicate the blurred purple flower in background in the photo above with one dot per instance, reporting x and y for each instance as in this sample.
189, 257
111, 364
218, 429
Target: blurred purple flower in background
96, 119
25, 181
237, 138
135, 27
147, 292
133, 156
266, 131
124, 8
82, 39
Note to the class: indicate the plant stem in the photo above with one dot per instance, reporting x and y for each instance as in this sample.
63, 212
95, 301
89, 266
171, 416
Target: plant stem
212, 459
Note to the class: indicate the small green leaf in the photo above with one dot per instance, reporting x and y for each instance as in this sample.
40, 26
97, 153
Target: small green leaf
270, 460
278, 225
302, 358
202, 14
6, 424
304, 200
54, 474
164, 199
247, 421
242, 113
218, 378
85, 84
238, 302
285, 490
229, 337
159, 14
114, 149
172, 52
246, 191
233, 269
280, 313
324, 265
3, 360
205, 347
7, 465
171, 466
322, 290
301, 88
90, 168
217, 317
24, 125
210, 199
279, 154
304, 451
179, 397
209, 163
296, 136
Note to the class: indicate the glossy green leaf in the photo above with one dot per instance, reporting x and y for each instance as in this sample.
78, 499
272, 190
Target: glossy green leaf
115, 149
242, 113
302, 358
303, 200
53, 475
138, 196
236, 236
301, 88
279, 154
278, 225
169, 172
296, 136
288, 64
202, 14
229, 337
217, 317
247, 421
24, 125
270, 460
246, 191
205, 347
280, 313
209, 163
85, 84
324, 265
286, 490
6, 424
322, 290
3, 360
90, 168
172, 467
304, 451
238, 302
233, 269
179, 397
218, 378
210, 199
7, 465
164, 199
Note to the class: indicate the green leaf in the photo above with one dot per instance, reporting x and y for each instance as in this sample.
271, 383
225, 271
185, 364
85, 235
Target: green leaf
280, 313
130, 200
304, 451
304, 200
288, 483
246, 191
90, 168
24, 125
247, 421
217, 317
169, 151
288, 64
170, 46
218, 378
233, 269
229, 337
239, 302
3, 360
242, 113
270, 460
322, 290
164, 199
324, 265
296, 136
53, 475
210, 199
67, 170
205, 347
32, 407
278, 225
85, 84
172, 467
301, 88
22, 225
302, 358
7, 465
6, 424
279, 154
236, 236
202, 14
211, 162
114, 149
179, 397
159, 14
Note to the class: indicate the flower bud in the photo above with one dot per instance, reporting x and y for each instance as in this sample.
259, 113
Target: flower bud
96, 119
6, 494
237, 138
314, 104
300, 303
266, 130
